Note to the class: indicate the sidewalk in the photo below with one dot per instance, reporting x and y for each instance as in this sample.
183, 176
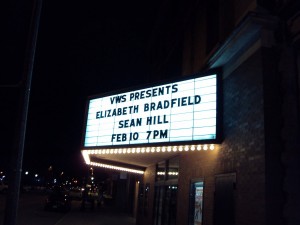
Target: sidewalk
102, 216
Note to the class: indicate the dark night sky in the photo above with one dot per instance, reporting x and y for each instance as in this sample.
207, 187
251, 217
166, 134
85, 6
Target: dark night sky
84, 48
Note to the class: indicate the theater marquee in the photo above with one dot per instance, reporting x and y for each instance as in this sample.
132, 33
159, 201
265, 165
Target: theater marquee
182, 111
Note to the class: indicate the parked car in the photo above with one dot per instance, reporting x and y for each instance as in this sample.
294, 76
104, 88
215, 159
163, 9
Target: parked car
58, 200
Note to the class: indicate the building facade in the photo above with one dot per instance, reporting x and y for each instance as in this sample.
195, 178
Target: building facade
256, 43
252, 175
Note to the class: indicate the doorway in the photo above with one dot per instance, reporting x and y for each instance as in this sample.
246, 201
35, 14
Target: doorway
165, 205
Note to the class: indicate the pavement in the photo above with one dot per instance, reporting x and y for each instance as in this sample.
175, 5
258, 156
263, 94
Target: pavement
31, 212
98, 216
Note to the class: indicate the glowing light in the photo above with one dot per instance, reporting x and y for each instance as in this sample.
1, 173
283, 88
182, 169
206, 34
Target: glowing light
205, 86
173, 173
117, 168
161, 173
86, 157
86, 153
180, 148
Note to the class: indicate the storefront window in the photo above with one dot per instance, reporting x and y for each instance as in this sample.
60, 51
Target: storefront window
196, 203
173, 168
161, 171
158, 204
165, 205
166, 188
146, 199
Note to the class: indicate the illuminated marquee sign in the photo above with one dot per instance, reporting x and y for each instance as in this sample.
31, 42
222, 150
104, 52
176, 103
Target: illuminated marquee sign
174, 112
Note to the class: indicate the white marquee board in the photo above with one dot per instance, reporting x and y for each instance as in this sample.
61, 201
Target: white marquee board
173, 112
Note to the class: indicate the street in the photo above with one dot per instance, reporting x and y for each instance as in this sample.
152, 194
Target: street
31, 212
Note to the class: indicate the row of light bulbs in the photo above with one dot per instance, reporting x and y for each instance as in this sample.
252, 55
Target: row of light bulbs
169, 173
86, 153
152, 149
107, 166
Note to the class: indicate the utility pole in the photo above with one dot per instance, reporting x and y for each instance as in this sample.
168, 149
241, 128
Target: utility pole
12, 199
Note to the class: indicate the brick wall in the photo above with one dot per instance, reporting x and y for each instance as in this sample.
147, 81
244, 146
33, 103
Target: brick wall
242, 150
196, 165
